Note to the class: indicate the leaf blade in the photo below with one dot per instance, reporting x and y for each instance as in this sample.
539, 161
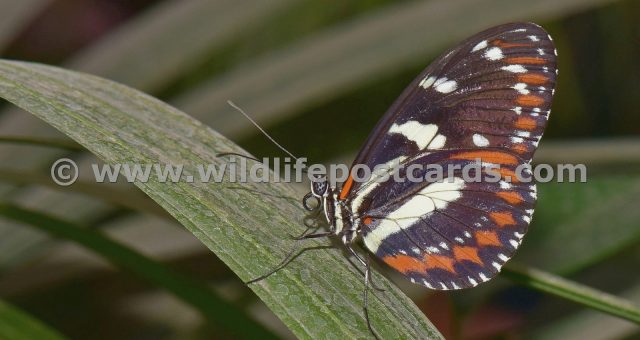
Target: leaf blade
16, 324
112, 121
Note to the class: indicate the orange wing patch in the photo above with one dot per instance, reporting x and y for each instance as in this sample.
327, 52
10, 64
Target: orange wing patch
525, 123
346, 187
501, 43
487, 238
529, 100
439, 262
533, 78
495, 157
512, 197
461, 253
519, 148
502, 219
526, 60
406, 264
507, 174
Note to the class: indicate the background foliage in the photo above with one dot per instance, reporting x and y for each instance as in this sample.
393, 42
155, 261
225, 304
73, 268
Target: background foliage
318, 77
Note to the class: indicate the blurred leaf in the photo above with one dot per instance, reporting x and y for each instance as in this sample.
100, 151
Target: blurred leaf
16, 324
587, 324
586, 296
125, 198
349, 55
15, 16
216, 310
46, 142
246, 225
611, 151
174, 35
578, 224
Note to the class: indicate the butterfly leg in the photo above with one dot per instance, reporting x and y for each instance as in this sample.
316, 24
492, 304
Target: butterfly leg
365, 293
290, 256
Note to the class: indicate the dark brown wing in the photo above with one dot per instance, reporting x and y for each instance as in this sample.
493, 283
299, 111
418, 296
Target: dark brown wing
488, 98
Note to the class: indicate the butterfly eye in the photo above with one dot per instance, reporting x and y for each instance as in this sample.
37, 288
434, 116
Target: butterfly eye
319, 187
306, 202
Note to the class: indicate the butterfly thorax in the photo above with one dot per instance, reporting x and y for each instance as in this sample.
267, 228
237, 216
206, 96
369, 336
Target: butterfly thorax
338, 214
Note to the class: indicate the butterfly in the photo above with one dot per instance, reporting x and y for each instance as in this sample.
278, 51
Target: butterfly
486, 100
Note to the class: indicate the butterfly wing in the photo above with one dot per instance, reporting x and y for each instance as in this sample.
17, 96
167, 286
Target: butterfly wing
488, 99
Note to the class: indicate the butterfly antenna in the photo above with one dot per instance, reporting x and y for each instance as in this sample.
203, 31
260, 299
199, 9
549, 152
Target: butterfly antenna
261, 129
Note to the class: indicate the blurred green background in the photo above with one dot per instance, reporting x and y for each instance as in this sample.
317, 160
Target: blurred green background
318, 75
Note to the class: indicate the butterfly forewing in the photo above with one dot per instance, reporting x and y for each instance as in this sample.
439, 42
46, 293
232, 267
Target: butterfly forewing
487, 99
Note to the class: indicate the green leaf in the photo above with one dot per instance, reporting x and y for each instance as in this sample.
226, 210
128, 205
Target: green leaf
319, 294
16, 324
586, 296
217, 311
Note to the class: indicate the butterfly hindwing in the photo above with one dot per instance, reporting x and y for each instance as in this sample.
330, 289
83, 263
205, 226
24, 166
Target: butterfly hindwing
487, 99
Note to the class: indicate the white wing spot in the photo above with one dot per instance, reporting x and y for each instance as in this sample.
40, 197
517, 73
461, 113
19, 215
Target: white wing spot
434, 196
503, 257
467, 234
517, 110
443, 286
540, 51
514, 243
505, 185
416, 250
480, 140
459, 240
472, 281
496, 265
533, 38
427, 81
438, 142
479, 46
521, 88
420, 134
526, 219
514, 68
523, 133
517, 139
518, 235
432, 250
483, 277
494, 53
455, 286
447, 86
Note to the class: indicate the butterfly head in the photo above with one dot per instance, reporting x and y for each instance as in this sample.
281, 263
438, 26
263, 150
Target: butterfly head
319, 191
